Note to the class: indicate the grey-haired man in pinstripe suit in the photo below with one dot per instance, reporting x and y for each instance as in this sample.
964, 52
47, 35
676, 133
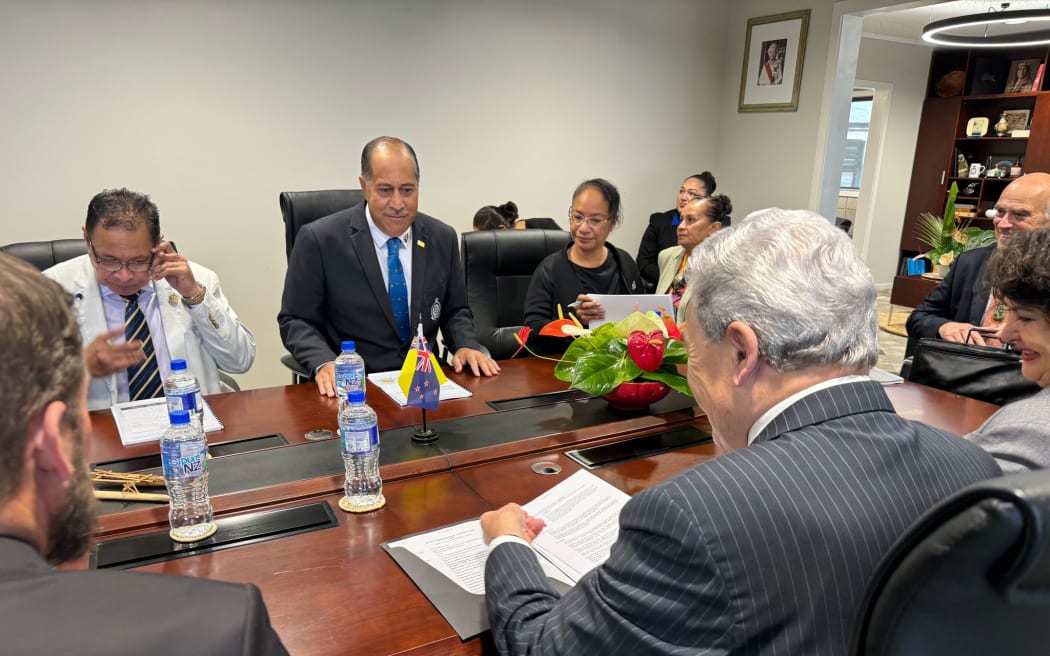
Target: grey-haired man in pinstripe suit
767, 549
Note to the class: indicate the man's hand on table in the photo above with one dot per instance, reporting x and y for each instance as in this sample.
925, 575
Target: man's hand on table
510, 520
479, 363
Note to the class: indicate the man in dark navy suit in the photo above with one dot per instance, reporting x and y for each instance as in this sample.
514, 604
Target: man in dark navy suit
371, 273
959, 304
47, 512
766, 549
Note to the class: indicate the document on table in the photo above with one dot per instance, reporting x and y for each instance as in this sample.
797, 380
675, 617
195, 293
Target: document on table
387, 381
618, 306
145, 421
448, 564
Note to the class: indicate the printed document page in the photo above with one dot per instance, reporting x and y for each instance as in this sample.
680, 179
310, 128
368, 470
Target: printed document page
618, 306
146, 420
581, 515
458, 552
582, 521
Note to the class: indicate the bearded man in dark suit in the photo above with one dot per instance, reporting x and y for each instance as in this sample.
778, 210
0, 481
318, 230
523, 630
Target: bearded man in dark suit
47, 512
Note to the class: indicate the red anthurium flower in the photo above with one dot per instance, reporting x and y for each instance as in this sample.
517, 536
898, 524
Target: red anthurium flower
554, 328
646, 349
521, 337
672, 328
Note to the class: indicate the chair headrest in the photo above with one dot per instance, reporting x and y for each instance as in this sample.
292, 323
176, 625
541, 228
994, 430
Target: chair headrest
301, 207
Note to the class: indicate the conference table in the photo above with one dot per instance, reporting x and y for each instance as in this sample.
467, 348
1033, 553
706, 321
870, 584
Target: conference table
334, 590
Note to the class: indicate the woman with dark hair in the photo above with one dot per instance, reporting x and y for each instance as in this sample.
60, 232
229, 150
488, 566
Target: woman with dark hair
661, 232
587, 265
701, 218
492, 217
1018, 273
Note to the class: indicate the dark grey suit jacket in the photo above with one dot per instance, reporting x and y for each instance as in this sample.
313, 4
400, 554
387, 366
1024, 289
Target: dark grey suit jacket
334, 291
765, 550
956, 298
101, 613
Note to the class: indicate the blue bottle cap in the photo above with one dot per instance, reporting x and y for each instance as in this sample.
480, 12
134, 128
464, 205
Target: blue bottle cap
178, 365
355, 396
348, 345
179, 416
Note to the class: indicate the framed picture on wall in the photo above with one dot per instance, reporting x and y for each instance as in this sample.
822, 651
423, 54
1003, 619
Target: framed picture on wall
773, 54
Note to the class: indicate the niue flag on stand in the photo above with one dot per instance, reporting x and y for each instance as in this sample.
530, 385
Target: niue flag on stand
421, 377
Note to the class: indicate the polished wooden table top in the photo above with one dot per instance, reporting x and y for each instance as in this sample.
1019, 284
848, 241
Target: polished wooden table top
335, 591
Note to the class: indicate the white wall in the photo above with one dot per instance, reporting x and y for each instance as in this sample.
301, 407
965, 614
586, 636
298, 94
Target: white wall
767, 159
905, 67
215, 108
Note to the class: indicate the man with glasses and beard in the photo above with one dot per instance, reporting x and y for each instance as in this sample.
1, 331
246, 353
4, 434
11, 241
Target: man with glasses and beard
140, 305
47, 512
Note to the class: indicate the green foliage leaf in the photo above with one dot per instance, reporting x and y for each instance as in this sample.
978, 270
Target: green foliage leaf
671, 378
675, 353
598, 373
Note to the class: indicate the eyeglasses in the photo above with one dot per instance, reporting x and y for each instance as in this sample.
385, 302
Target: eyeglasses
113, 265
593, 221
692, 194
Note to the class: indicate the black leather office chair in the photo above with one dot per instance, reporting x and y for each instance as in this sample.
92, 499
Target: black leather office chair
299, 208
46, 254
498, 266
971, 576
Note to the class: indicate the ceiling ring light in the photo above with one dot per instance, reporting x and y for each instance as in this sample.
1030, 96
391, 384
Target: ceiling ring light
935, 32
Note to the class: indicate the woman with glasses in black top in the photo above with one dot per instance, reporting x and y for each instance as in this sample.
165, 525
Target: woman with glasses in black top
589, 264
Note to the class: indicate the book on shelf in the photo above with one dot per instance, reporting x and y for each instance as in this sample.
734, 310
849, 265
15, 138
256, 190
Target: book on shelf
1038, 77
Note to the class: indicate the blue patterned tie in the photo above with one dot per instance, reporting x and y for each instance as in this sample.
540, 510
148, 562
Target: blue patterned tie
144, 378
397, 288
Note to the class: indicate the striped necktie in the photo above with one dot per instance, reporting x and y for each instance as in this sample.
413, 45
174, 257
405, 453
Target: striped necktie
397, 288
144, 378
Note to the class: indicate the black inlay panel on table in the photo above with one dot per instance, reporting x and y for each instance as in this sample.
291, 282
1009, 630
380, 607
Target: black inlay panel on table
234, 531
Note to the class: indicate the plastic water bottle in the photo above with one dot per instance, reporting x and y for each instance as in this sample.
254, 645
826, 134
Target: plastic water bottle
349, 371
183, 392
184, 452
359, 432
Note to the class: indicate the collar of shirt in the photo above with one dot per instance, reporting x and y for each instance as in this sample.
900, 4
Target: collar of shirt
772, 413
379, 240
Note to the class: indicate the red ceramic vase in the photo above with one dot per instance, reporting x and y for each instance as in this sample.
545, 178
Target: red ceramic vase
637, 396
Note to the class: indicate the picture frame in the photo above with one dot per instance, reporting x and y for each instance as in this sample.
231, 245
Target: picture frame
1016, 119
1022, 75
774, 51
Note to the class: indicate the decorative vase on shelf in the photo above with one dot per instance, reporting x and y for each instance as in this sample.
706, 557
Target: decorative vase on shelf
636, 395
941, 270
1002, 127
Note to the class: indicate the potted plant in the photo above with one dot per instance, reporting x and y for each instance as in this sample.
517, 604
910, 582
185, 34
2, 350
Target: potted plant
947, 237
631, 363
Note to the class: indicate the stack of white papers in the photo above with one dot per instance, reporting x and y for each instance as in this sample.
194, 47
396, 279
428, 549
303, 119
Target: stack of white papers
582, 520
145, 421
387, 381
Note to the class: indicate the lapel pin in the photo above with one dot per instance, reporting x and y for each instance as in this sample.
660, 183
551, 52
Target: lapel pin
173, 300
419, 242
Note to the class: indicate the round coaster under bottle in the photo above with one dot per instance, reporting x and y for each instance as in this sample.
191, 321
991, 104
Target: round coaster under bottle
344, 505
207, 534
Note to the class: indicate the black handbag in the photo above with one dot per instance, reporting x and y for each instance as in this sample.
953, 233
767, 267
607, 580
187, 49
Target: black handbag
986, 373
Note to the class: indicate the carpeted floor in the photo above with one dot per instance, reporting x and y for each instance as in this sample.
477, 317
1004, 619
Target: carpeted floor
892, 338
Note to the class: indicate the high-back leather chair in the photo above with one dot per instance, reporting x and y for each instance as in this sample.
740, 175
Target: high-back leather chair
971, 576
46, 254
299, 208
498, 265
